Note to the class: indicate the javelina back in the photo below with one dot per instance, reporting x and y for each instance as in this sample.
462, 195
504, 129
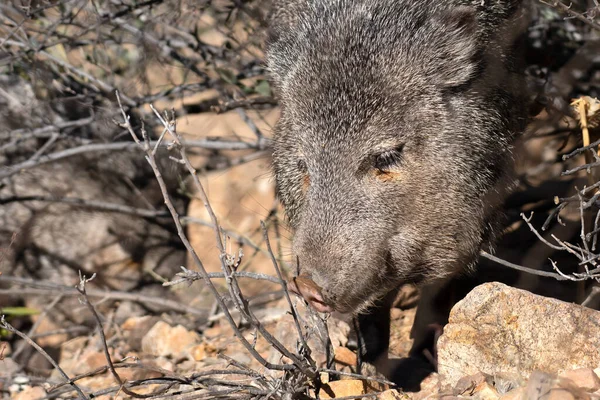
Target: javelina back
395, 145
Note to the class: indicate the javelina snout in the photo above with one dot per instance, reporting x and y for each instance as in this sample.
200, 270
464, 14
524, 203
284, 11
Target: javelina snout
395, 145
341, 239
304, 286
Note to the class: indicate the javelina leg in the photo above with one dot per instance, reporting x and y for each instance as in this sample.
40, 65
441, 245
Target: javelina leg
433, 308
374, 339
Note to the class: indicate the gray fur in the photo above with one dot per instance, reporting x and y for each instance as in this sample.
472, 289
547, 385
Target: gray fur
439, 79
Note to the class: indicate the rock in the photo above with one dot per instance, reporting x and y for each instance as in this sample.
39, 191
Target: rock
201, 351
349, 387
391, 394
345, 356
137, 328
497, 329
560, 394
584, 378
539, 385
485, 391
338, 332
515, 394
31, 393
467, 384
242, 358
430, 388
8, 367
165, 340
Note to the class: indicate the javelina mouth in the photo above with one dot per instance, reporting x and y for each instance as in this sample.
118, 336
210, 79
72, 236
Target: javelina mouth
311, 292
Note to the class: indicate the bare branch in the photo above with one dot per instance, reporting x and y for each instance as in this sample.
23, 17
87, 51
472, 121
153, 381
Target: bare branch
10, 328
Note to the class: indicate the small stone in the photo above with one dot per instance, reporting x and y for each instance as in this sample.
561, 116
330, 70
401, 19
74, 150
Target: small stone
391, 394
430, 388
93, 360
467, 384
220, 329
585, 378
338, 332
485, 391
48, 325
345, 356
8, 367
21, 380
164, 363
560, 394
240, 357
134, 322
136, 328
165, 340
199, 352
353, 387
31, 393
539, 385
515, 394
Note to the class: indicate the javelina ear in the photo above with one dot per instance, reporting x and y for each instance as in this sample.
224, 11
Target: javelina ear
452, 47
283, 17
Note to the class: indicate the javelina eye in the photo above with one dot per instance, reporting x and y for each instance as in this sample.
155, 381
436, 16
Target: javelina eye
388, 159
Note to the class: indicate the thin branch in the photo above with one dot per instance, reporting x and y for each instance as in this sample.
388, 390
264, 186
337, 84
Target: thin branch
146, 147
521, 268
10, 328
559, 5
46, 288
217, 144
84, 299
91, 204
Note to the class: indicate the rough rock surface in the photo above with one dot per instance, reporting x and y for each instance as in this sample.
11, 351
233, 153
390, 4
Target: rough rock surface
165, 340
500, 330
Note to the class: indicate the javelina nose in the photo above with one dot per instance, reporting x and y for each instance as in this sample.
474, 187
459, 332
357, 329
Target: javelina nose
304, 286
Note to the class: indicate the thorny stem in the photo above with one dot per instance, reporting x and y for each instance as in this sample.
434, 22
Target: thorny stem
233, 287
84, 299
10, 328
151, 160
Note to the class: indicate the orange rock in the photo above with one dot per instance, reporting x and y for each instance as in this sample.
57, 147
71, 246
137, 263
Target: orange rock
31, 393
515, 394
585, 378
133, 323
560, 394
198, 352
391, 394
485, 391
345, 356
353, 387
165, 340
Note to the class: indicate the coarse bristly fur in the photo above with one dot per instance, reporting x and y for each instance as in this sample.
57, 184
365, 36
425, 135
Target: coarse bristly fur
394, 149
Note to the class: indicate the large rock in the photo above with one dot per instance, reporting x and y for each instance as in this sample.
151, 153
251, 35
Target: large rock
500, 331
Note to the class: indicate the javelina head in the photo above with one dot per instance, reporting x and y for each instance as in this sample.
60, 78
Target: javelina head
397, 125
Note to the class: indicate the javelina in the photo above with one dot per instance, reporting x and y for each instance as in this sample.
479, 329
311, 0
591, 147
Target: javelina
395, 144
